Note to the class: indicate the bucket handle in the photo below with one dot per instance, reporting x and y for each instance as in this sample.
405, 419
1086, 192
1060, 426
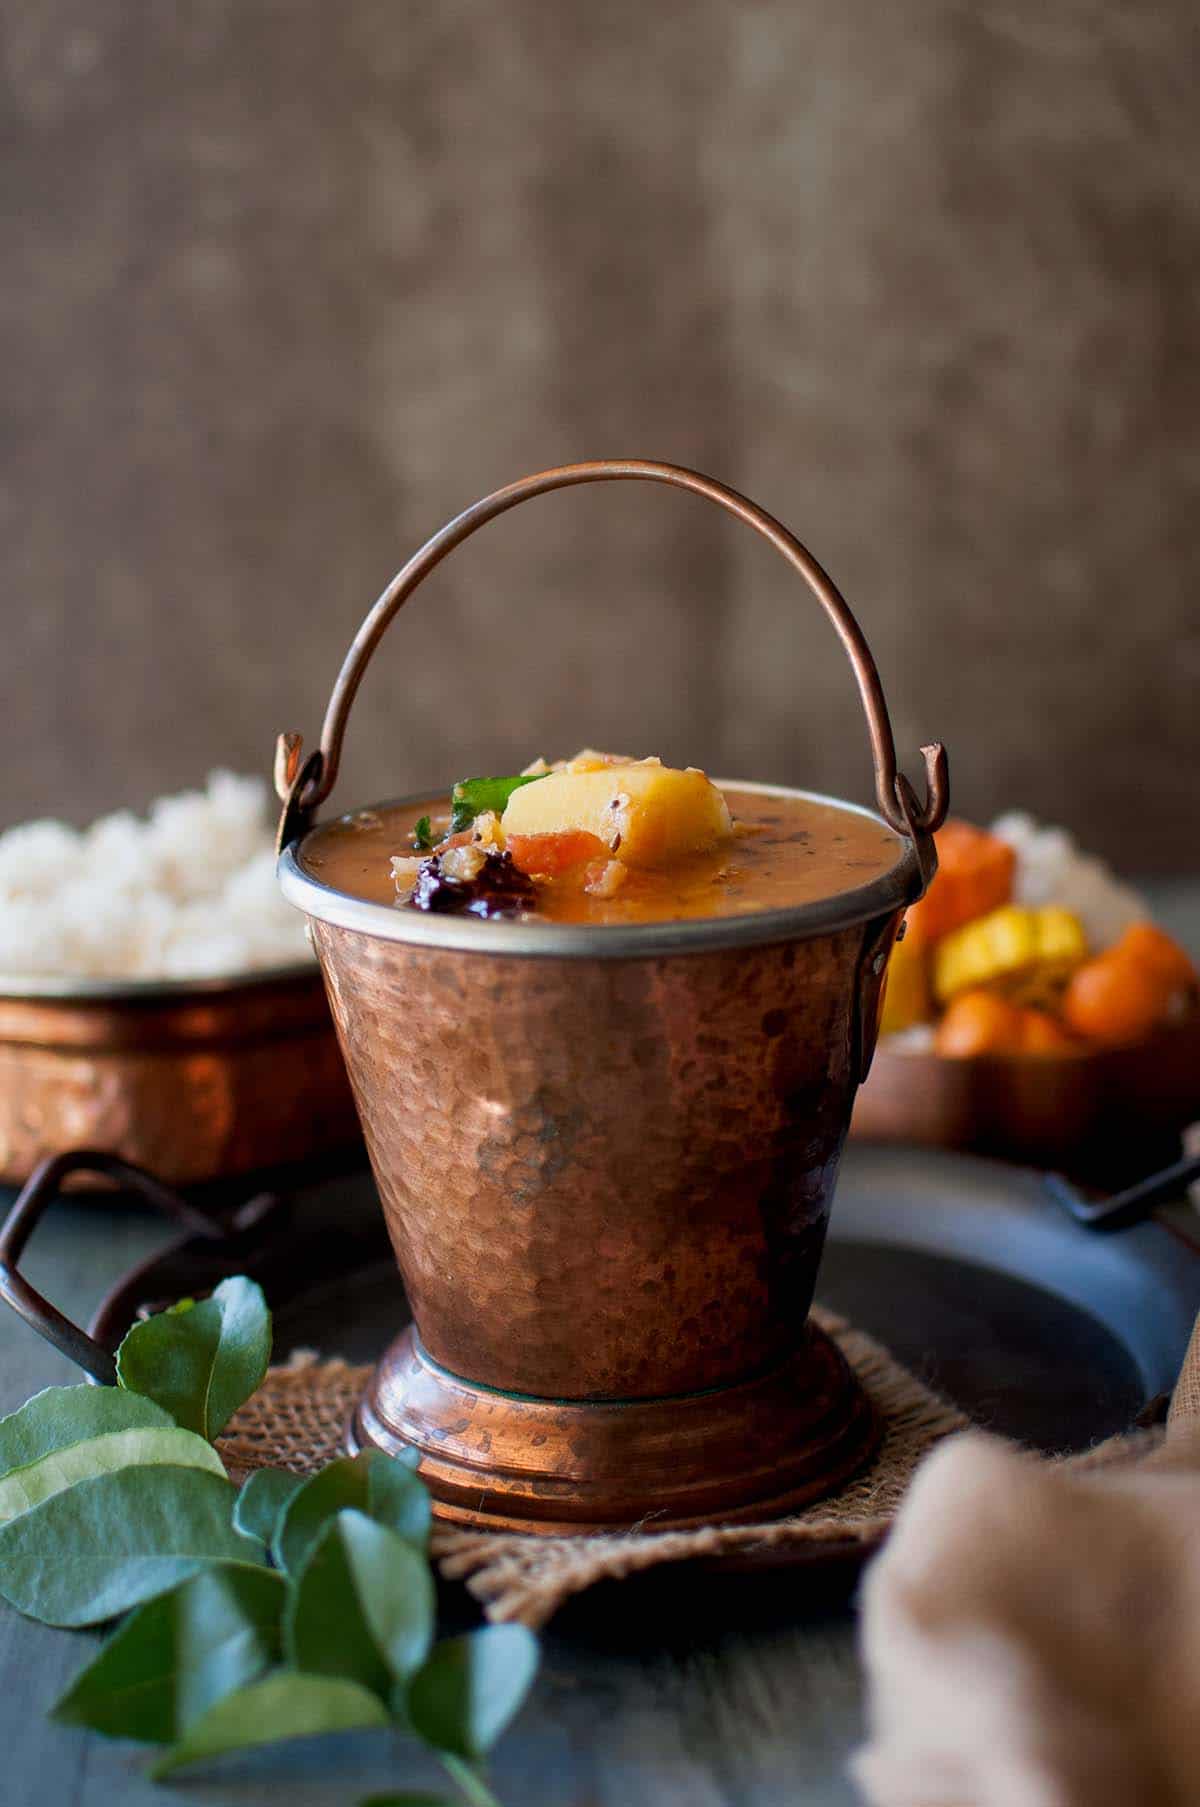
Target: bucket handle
303, 786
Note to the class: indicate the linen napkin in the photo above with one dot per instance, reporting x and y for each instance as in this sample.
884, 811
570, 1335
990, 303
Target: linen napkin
1031, 1631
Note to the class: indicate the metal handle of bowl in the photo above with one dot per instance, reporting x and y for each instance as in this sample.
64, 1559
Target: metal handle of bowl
43, 1185
304, 784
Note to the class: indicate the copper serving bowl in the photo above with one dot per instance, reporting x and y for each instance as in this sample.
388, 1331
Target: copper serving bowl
606, 1156
1108, 1114
198, 1080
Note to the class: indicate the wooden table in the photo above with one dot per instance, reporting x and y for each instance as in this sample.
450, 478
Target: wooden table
689, 1691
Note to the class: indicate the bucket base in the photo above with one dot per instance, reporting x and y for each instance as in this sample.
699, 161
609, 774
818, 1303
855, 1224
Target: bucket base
507, 1462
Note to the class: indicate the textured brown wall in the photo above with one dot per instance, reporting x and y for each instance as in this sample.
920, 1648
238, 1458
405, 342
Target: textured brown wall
283, 286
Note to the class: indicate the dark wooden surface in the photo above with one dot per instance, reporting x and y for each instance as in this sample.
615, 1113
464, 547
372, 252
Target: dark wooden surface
687, 1690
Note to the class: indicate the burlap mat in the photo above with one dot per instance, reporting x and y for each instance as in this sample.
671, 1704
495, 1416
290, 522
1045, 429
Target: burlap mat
298, 1420
1185, 1400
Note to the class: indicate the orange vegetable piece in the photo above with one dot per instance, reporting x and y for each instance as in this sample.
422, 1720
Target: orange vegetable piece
1153, 949
974, 876
1117, 997
1042, 1033
552, 855
979, 1022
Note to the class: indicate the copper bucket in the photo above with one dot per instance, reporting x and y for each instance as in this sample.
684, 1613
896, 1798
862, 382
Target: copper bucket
606, 1156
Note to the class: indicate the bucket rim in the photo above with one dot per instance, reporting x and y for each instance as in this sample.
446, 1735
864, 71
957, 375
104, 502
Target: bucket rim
893, 890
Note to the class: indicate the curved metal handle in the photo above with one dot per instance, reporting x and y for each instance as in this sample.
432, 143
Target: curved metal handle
43, 1184
302, 787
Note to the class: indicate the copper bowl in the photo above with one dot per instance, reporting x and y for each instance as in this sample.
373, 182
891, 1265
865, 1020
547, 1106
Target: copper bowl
1108, 1114
606, 1156
198, 1080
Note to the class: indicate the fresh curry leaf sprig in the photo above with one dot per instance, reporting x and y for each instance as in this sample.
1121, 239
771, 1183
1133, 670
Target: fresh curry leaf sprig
297, 1606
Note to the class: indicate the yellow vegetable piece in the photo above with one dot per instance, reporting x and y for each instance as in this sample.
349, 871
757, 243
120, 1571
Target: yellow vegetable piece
649, 814
907, 998
1026, 954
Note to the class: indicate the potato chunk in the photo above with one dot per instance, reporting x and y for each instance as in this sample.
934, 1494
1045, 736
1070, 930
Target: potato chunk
650, 814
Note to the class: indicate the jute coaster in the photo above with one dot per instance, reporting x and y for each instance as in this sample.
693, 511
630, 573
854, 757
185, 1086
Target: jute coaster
298, 1420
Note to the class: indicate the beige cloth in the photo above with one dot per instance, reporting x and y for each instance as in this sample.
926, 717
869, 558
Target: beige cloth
1031, 1631
298, 1420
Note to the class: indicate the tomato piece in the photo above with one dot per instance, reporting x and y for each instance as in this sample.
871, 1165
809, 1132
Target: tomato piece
552, 855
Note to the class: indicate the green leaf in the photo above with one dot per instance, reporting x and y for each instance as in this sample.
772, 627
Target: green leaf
201, 1363
422, 834
178, 1655
339, 1484
107, 1544
284, 1705
399, 1499
361, 1607
262, 1499
471, 1687
475, 795
23, 1488
60, 1416
384, 1488
406, 1798
470, 1780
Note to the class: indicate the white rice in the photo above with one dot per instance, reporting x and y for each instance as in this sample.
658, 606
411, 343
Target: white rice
1052, 870
187, 893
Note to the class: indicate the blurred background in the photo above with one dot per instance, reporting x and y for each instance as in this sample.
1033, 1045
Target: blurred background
284, 287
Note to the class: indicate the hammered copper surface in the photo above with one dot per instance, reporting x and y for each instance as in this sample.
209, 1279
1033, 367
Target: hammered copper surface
602, 1178
764, 1446
194, 1087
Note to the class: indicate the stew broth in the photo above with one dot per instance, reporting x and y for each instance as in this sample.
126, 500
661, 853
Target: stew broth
784, 851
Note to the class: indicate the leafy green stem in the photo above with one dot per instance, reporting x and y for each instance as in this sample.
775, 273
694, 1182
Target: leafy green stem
472, 1784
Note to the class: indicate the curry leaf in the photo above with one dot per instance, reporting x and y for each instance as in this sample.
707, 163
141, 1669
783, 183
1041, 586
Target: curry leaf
202, 1362
60, 1416
399, 1499
475, 795
262, 1499
339, 1484
106, 1544
471, 1687
381, 1486
362, 1606
469, 1779
23, 1488
283, 1705
405, 1799
178, 1655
